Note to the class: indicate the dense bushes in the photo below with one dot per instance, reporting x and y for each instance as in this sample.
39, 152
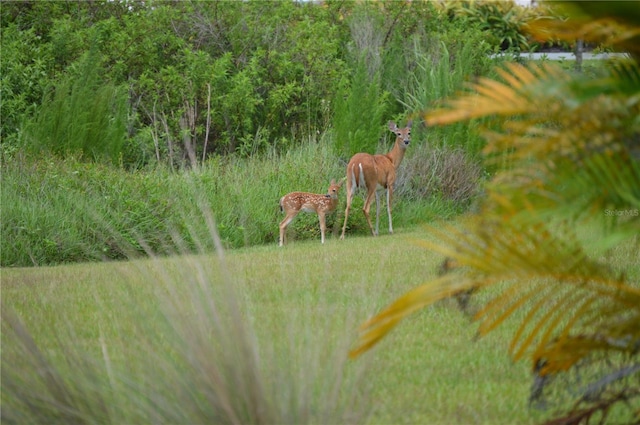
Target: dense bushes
221, 77
202, 77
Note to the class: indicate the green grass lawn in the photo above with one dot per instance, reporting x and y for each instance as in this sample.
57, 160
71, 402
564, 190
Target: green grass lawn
166, 332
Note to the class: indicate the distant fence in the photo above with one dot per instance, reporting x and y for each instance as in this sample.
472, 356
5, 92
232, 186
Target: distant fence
558, 56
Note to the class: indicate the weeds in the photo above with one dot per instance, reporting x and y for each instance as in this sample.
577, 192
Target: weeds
444, 172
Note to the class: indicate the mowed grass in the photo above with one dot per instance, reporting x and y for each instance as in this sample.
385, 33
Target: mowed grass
280, 320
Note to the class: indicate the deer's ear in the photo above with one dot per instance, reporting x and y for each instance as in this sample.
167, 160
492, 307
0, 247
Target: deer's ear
392, 126
333, 181
409, 123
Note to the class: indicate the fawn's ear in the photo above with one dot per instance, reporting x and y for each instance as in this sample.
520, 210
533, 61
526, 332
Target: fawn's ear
409, 123
392, 126
333, 181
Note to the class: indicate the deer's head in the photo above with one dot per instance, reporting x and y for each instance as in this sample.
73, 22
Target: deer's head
403, 135
334, 188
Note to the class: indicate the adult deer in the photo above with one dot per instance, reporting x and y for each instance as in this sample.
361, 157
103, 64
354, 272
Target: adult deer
370, 172
294, 202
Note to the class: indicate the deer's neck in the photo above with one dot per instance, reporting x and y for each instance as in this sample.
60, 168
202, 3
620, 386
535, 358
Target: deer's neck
396, 155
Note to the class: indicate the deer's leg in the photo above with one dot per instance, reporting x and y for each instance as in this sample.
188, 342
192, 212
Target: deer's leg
323, 226
367, 206
346, 213
350, 192
377, 213
283, 227
389, 198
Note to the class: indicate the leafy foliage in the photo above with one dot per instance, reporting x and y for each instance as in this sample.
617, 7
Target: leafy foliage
573, 147
22, 87
217, 78
503, 22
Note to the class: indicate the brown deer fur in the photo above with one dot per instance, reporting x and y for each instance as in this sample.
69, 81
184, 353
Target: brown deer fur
370, 172
295, 202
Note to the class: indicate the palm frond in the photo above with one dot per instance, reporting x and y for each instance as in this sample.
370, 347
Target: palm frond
588, 155
489, 97
572, 148
379, 326
544, 273
615, 24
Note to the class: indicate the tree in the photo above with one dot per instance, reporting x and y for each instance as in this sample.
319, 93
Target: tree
552, 225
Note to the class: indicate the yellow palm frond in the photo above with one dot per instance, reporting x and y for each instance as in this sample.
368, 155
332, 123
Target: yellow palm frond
572, 148
609, 31
488, 97
543, 273
379, 326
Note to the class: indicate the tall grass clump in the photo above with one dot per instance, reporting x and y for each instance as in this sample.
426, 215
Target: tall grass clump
443, 64
359, 115
177, 340
244, 193
81, 115
66, 210
60, 211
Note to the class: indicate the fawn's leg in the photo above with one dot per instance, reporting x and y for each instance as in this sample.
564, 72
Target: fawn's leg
283, 227
350, 193
323, 226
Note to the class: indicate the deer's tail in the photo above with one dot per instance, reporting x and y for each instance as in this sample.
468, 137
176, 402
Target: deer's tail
356, 176
352, 177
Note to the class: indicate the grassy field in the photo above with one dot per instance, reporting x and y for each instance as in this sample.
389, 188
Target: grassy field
259, 333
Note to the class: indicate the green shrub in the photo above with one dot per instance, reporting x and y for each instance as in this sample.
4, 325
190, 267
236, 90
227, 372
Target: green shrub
439, 172
502, 22
359, 113
81, 116
22, 78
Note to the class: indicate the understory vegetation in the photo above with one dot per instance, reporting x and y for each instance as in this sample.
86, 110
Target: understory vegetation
140, 84
65, 210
